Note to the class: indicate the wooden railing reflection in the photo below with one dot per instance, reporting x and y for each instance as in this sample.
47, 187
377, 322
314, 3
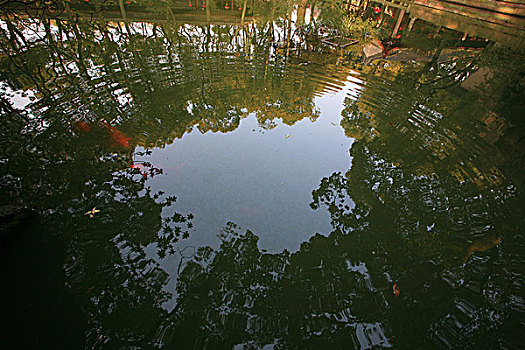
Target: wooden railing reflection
190, 11
497, 20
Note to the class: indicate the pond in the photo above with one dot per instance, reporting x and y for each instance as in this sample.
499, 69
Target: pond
175, 185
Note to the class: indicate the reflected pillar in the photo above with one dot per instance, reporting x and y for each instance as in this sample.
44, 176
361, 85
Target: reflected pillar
208, 14
364, 6
398, 23
243, 12
382, 16
123, 10
411, 23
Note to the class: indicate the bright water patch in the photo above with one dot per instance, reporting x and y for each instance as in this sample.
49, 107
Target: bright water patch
262, 180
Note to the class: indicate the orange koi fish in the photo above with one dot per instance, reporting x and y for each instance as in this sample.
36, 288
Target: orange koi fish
146, 169
82, 126
396, 290
482, 245
141, 168
118, 136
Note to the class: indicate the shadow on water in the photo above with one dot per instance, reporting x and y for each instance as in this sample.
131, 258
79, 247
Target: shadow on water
425, 239
38, 312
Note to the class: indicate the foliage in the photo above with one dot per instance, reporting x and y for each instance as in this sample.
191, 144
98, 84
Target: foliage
345, 23
507, 78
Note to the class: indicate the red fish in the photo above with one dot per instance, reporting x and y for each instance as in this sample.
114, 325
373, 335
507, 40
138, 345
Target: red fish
376, 9
82, 126
119, 137
141, 168
146, 169
396, 290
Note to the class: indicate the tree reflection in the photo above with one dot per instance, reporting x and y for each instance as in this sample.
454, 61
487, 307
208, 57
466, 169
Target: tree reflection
399, 216
146, 83
90, 93
337, 290
419, 209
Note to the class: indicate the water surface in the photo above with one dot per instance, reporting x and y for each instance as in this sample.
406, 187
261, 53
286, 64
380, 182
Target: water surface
248, 198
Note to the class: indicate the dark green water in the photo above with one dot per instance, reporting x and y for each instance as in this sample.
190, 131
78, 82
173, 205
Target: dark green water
248, 199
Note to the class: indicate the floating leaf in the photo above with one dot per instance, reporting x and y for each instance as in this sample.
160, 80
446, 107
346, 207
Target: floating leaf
92, 212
